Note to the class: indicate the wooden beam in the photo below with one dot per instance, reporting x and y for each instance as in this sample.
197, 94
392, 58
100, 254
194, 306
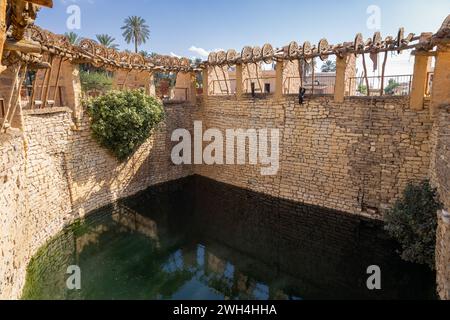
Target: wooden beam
44, 3
25, 46
2, 30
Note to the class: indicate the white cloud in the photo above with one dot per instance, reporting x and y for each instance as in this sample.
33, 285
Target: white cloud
175, 55
202, 52
199, 51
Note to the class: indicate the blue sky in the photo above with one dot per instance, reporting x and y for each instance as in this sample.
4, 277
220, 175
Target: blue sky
178, 25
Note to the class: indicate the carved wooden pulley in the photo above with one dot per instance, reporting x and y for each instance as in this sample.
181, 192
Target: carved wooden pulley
231, 57
257, 54
323, 49
377, 40
293, 50
307, 51
359, 43
267, 53
212, 58
247, 54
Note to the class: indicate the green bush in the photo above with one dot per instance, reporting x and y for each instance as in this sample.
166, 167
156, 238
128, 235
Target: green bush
413, 223
121, 121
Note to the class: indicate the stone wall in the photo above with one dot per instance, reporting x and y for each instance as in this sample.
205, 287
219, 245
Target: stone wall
440, 177
355, 156
57, 173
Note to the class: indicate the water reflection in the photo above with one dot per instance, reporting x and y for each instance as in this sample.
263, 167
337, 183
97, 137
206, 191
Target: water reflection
199, 239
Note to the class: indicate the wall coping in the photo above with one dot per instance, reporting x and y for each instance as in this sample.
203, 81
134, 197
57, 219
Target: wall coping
47, 111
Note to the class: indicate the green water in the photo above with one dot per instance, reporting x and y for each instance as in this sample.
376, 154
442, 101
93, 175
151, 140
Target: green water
199, 239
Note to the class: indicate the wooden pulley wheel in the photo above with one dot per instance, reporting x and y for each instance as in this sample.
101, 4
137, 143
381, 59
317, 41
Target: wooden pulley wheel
247, 54
359, 43
221, 57
124, 57
184, 62
307, 51
267, 53
112, 54
257, 54
137, 58
231, 57
212, 58
400, 37
87, 45
323, 49
293, 50
377, 40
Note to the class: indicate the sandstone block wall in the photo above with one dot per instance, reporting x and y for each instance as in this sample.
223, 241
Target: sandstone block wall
440, 177
356, 156
56, 173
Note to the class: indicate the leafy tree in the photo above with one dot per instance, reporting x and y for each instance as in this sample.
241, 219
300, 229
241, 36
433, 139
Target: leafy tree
413, 223
392, 85
362, 89
121, 121
95, 81
329, 66
72, 37
107, 41
135, 30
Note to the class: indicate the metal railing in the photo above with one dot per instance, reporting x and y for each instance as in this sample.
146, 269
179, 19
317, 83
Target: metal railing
317, 84
429, 88
223, 87
397, 85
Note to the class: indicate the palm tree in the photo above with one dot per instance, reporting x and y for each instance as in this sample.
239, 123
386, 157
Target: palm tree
72, 37
144, 53
135, 30
329, 66
107, 41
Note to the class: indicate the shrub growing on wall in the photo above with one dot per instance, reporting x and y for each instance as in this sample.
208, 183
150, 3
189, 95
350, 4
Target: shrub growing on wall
413, 222
122, 120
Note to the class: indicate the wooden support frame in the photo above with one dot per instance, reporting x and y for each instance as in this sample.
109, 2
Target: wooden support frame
279, 68
13, 98
239, 79
58, 76
47, 82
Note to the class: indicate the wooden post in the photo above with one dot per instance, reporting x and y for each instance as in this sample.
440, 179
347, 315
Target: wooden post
58, 75
16, 69
33, 91
193, 88
422, 65
239, 84
2, 30
47, 83
15, 102
440, 95
205, 83
339, 89
279, 80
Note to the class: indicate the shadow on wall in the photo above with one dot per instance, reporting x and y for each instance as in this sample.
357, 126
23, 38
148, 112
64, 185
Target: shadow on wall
99, 179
